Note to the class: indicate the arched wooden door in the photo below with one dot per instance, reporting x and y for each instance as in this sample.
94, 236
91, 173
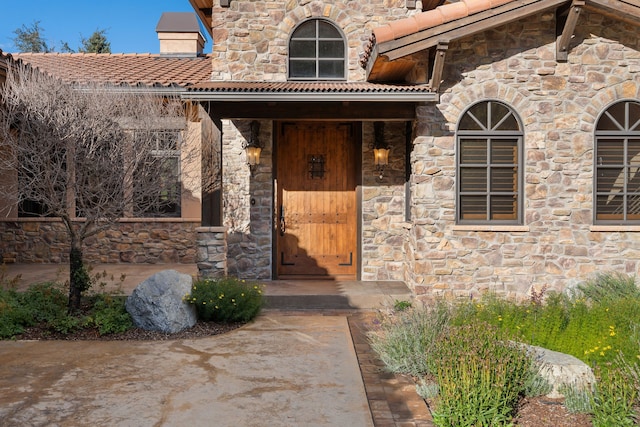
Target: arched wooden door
316, 205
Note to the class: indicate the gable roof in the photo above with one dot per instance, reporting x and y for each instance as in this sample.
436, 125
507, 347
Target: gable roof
150, 70
453, 21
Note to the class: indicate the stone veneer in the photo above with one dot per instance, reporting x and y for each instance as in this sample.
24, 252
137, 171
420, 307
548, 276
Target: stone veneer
152, 242
559, 104
212, 252
251, 36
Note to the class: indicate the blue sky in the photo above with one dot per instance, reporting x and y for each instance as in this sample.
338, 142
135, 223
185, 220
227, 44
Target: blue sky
130, 24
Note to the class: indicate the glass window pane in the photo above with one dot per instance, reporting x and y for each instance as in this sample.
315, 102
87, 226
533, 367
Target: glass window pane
610, 180
633, 180
634, 117
473, 207
504, 151
331, 69
306, 30
302, 68
633, 151
473, 151
302, 49
473, 180
475, 118
503, 180
609, 207
633, 206
331, 49
503, 207
610, 152
326, 30
498, 112
607, 123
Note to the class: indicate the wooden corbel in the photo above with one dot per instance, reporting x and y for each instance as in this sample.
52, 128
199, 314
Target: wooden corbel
562, 43
438, 65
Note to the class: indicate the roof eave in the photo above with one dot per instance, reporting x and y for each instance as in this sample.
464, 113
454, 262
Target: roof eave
310, 97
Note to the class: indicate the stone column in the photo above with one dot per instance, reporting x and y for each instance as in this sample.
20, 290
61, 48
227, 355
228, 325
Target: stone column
212, 252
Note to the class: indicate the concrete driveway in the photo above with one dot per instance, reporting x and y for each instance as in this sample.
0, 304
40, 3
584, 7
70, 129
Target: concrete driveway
281, 370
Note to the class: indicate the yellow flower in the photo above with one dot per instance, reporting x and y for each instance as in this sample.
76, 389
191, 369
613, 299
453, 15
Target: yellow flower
242, 294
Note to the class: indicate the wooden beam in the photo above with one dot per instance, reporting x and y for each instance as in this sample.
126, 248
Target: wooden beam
620, 9
438, 65
562, 43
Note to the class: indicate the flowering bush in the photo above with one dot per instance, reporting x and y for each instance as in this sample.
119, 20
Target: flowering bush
225, 300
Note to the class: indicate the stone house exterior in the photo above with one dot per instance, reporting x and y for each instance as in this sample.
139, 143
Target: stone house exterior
512, 130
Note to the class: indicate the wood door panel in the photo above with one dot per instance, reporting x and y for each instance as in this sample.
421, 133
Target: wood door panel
318, 223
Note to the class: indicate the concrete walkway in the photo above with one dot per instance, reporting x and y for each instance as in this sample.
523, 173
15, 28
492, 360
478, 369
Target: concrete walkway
291, 367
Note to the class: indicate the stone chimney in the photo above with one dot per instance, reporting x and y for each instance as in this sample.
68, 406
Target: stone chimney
179, 34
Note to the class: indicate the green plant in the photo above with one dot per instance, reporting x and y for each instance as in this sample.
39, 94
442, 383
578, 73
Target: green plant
608, 286
13, 315
614, 398
226, 300
404, 340
576, 399
45, 302
110, 315
401, 305
481, 377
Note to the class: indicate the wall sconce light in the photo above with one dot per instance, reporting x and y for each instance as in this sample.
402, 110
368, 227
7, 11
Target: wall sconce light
380, 148
253, 147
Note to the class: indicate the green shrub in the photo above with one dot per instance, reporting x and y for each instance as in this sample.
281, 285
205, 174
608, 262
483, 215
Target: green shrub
614, 399
226, 300
45, 302
404, 340
481, 377
608, 286
13, 315
110, 315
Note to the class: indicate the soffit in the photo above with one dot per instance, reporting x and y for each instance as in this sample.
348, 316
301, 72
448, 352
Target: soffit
203, 9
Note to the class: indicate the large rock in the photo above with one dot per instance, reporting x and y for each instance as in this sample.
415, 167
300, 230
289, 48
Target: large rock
561, 369
156, 304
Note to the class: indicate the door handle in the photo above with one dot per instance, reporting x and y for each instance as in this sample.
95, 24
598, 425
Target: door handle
283, 224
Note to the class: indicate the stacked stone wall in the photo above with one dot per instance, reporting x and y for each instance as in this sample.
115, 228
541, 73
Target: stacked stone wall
148, 242
248, 201
250, 38
384, 226
559, 103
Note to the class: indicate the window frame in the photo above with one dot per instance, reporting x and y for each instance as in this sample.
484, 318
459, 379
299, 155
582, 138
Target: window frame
317, 58
623, 135
490, 136
170, 210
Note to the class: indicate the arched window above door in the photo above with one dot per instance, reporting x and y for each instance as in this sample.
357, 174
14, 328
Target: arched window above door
317, 51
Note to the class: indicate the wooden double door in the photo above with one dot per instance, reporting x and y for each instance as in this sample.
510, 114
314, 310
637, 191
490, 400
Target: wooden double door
316, 202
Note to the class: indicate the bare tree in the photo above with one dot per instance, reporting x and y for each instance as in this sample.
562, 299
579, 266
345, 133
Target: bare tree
88, 155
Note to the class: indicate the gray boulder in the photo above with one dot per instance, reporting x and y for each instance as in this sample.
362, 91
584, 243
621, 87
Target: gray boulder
156, 304
561, 369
